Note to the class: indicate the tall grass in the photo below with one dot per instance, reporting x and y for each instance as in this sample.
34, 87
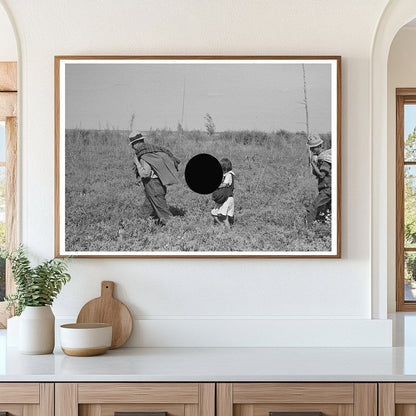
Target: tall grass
272, 188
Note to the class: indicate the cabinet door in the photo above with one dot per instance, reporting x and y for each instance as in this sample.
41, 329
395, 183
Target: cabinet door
397, 399
26, 399
142, 399
297, 399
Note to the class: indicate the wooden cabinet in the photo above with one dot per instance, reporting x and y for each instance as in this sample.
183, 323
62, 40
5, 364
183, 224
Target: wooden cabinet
27, 399
208, 399
397, 399
106, 399
262, 399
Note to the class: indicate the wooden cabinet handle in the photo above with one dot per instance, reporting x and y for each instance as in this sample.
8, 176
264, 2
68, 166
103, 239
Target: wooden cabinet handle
139, 414
295, 413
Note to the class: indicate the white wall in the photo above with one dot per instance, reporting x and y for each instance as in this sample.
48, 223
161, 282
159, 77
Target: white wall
401, 74
197, 302
8, 46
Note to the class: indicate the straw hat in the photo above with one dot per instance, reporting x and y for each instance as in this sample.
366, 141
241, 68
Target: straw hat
314, 140
135, 136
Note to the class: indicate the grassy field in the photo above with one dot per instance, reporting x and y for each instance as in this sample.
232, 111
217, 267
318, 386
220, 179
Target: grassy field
272, 189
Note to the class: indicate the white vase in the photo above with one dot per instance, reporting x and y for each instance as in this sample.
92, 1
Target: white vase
12, 334
37, 330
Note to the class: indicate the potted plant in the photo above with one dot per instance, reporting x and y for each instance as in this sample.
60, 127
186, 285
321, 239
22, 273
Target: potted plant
36, 289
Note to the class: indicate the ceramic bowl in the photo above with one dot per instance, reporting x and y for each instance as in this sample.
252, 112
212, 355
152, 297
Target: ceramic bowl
83, 340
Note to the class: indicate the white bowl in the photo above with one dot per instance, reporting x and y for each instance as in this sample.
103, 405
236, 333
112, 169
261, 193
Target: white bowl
83, 340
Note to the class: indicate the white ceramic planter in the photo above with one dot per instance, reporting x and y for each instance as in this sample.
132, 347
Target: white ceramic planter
37, 330
12, 334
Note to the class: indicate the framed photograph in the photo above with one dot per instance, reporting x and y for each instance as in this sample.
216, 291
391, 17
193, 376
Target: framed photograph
198, 156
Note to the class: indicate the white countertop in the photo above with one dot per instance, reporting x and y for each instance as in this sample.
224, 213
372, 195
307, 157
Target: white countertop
215, 364
221, 364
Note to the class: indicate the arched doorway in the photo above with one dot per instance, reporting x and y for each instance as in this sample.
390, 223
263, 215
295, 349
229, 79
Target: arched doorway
395, 16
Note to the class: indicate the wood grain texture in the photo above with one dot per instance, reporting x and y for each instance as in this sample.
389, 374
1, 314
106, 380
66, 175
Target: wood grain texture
31, 410
405, 410
245, 410
339, 159
191, 410
405, 393
57, 153
11, 207
404, 96
263, 409
400, 304
207, 399
66, 399
138, 393
224, 399
11, 196
84, 352
346, 410
109, 310
8, 76
13, 409
90, 410
386, 399
25, 393
340, 393
8, 105
365, 399
405, 91
47, 399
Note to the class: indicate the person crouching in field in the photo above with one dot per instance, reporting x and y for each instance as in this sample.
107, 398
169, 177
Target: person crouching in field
223, 213
321, 167
157, 167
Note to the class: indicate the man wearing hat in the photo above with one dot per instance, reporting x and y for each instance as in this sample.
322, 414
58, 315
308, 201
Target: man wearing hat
321, 167
157, 168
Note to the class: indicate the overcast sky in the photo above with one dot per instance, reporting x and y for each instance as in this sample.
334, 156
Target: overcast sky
237, 96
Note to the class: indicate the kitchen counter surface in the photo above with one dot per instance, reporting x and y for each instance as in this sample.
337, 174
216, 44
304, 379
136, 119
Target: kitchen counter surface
215, 364
222, 364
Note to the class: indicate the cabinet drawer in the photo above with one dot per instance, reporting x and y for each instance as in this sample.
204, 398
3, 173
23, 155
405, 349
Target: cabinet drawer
21, 399
147, 399
138, 393
397, 399
296, 399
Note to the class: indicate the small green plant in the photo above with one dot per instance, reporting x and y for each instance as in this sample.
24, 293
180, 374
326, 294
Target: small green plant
35, 286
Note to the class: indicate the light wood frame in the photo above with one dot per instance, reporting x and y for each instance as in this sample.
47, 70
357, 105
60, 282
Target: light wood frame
195, 399
249, 399
336, 140
403, 96
8, 113
28, 399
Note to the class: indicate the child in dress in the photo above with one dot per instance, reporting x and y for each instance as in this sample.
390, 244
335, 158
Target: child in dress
223, 212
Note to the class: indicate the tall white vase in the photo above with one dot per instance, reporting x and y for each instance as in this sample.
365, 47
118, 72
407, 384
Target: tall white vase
37, 330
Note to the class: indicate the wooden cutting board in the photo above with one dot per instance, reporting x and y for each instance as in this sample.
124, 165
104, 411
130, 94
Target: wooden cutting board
108, 310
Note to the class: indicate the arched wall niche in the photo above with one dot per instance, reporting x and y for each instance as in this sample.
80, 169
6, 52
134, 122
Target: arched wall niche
396, 15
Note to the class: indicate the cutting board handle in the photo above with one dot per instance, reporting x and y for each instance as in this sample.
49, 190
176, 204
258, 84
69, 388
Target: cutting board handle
107, 288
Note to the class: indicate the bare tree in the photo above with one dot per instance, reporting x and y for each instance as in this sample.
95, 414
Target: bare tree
132, 117
305, 100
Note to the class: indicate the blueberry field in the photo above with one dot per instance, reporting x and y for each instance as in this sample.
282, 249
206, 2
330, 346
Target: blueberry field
273, 187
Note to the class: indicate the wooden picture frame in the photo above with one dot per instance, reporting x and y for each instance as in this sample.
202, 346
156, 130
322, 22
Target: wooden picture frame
267, 115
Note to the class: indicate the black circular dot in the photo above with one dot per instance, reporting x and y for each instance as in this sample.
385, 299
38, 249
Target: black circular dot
203, 173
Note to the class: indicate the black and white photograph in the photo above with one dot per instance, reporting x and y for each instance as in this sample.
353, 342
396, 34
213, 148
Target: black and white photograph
198, 156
